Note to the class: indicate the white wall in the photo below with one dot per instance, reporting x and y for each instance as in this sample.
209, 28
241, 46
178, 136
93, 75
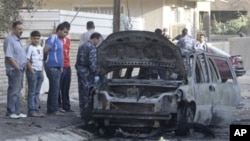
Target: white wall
221, 45
46, 20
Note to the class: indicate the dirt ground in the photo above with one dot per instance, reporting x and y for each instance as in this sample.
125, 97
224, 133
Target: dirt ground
23, 127
11, 129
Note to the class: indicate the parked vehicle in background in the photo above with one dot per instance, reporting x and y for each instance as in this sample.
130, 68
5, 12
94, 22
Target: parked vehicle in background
237, 63
129, 98
236, 60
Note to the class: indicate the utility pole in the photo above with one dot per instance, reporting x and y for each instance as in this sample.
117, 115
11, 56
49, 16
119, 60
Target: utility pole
116, 26
116, 16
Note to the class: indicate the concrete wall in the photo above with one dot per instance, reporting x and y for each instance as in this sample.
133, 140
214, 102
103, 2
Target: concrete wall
153, 14
216, 38
241, 46
3, 77
236, 46
4, 80
221, 45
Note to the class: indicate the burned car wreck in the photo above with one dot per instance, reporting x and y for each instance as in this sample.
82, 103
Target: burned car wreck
147, 83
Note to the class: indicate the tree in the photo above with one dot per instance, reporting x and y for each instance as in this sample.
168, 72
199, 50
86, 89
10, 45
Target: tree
9, 11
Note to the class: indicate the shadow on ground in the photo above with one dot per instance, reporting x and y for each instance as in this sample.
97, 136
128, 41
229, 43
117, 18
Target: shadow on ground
23, 127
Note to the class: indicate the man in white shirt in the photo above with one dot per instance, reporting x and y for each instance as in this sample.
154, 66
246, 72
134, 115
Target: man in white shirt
201, 43
86, 36
34, 74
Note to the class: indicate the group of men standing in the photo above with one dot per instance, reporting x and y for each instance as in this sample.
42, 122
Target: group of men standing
55, 60
188, 44
184, 41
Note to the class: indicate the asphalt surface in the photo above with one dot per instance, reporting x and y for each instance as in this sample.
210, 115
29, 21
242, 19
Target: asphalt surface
49, 128
68, 127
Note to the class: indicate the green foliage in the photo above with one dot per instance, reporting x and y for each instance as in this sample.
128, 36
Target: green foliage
9, 11
237, 25
231, 27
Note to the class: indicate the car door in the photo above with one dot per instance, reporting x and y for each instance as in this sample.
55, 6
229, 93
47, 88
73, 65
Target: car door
225, 95
203, 98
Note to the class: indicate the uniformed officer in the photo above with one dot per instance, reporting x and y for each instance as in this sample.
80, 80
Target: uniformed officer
86, 70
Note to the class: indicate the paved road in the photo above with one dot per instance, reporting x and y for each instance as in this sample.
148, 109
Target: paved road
63, 128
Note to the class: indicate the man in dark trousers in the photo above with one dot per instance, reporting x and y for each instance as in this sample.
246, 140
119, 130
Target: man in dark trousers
64, 100
86, 71
53, 57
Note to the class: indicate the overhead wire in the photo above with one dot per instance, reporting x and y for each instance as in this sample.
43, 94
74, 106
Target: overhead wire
77, 12
142, 13
129, 17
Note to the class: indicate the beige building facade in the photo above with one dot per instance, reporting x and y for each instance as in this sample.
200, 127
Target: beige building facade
172, 14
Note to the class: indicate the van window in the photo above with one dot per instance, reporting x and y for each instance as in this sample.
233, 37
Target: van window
214, 74
201, 73
224, 69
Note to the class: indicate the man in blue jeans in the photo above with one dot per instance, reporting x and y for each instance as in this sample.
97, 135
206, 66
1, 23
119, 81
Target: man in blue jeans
15, 62
53, 56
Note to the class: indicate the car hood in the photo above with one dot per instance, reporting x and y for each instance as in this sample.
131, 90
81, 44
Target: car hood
138, 49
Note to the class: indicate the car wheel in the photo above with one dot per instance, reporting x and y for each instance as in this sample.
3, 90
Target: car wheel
104, 131
185, 116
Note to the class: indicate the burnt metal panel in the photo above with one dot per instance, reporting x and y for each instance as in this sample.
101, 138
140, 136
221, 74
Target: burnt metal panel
138, 48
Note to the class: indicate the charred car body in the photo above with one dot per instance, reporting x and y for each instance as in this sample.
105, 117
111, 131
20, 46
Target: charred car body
192, 90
